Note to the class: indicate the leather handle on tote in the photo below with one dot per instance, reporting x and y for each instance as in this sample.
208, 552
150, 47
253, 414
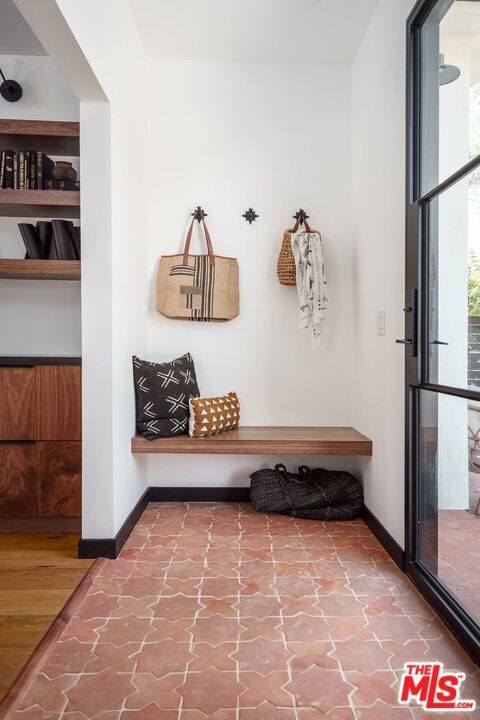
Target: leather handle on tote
301, 222
186, 249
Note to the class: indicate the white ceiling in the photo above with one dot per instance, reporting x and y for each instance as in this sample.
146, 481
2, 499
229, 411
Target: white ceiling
293, 31
16, 37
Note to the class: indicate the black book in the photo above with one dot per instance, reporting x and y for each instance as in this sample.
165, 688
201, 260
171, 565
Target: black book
26, 170
30, 241
2, 169
44, 237
9, 181
33, 170
62, 238
45, 167
78, 244
20, 170
75, 238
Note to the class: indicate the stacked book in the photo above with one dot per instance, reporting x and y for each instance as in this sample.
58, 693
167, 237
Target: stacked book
30, 170
51, 240
52, 184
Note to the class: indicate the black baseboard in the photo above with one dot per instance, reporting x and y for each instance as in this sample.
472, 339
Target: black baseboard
384, 537
199, 494
110, 547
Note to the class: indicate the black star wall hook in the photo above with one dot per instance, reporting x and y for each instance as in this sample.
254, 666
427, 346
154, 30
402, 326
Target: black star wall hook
301, 215
199, 214
250, 215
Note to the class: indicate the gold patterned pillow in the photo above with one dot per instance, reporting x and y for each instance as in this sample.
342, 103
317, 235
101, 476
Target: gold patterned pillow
209, 416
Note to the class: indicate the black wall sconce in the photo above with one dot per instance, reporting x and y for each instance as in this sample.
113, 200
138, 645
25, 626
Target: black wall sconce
10, 90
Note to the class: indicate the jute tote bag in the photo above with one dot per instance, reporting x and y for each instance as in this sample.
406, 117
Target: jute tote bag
201, 288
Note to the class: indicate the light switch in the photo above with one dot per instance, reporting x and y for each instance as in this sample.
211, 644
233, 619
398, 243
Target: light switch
381, 316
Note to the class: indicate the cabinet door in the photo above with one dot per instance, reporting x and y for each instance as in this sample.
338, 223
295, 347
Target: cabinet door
17, 480
17, 403
59, 478
58, 402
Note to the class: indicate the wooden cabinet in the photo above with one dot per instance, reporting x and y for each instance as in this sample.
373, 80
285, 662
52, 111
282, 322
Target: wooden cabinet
17, 403
59, 476
40, 406
18, 482
58, 402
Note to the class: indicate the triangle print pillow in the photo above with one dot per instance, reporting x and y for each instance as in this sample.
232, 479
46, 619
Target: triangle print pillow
162, 395
209, 416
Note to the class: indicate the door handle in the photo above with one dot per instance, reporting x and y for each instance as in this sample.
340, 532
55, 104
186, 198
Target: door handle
410, 309
438, 342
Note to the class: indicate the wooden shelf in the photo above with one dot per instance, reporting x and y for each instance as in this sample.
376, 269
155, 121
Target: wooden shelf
40, 203
50, 136
263, 441
40, 269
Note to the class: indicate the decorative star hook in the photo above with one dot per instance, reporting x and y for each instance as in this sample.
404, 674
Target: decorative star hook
301, 215
199, 214
250, 215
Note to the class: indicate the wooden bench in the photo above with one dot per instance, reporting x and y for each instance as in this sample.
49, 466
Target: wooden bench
263, 441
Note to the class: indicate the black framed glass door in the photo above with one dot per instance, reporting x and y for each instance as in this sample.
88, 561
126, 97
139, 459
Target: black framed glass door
442, 335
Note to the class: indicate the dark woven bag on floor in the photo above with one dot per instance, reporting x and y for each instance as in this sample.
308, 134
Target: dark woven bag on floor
315, 494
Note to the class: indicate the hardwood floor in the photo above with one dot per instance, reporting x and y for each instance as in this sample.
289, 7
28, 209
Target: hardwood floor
38, 573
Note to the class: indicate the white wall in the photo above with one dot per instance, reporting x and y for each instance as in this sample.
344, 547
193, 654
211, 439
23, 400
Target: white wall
275, 137
37, 317
46, 94
97, 310
378, 194
114, 270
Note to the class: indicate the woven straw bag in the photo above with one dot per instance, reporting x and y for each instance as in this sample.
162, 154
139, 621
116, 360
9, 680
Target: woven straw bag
286, 270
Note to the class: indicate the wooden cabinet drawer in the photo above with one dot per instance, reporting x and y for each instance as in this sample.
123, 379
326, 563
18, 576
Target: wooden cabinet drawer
58, 404
17, 403
18, 482
59, 478
40, 404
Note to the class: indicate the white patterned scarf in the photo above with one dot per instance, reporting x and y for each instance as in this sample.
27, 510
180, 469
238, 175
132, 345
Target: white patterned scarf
311, 281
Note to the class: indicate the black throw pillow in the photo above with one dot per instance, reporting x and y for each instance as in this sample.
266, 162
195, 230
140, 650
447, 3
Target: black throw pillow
162, 393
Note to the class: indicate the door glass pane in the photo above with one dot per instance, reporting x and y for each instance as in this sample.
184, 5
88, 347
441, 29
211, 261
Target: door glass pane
449, 495
454, 299
450, 89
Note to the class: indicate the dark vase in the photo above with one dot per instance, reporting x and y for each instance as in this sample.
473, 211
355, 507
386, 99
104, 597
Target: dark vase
64, 171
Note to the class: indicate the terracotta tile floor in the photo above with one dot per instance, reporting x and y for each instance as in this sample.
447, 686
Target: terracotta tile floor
459, 556
215, 612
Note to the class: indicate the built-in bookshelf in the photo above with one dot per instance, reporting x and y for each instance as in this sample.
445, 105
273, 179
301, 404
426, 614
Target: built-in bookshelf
52, 138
